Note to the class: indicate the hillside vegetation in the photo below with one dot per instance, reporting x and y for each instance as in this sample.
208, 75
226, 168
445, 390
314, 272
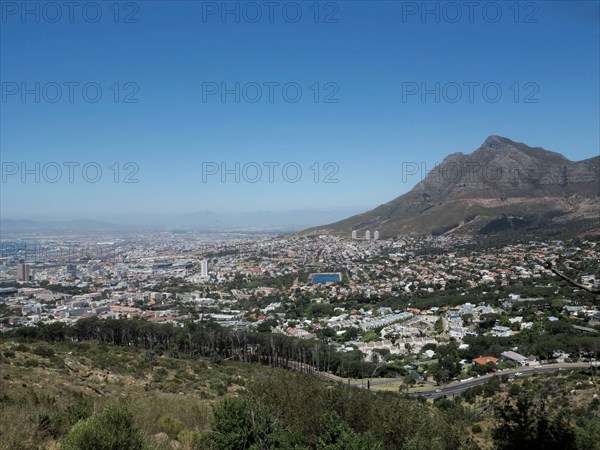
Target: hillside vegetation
95, 396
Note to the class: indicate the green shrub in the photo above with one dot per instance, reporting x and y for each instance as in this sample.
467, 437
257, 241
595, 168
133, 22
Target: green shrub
172, 386
239, 424
6, 400
170, 425
43, 350
159, 374
218, 387
21, 348
110, 429
29, 363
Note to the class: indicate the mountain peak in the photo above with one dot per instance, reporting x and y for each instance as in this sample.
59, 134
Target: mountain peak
501, 178
494, 142
496, 138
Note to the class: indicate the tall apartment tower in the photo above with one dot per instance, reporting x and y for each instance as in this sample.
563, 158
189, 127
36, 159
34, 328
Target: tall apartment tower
353, 234
367, 235
23, 272
376, 235
204, 268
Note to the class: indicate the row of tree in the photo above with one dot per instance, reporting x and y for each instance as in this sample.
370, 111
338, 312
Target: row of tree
208, 339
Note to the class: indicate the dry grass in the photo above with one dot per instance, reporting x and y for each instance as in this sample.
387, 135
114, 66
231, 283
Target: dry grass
46, 388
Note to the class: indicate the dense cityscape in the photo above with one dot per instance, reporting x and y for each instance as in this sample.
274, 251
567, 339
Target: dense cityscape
393, 301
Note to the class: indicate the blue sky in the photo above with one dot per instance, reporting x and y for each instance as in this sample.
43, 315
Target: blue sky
366, 59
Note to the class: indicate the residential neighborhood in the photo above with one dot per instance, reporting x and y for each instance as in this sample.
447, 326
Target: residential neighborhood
392, 301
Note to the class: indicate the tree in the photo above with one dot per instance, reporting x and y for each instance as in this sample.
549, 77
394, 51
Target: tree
439, 326
448, 365
110, 429
526, 423
351, 333
265, 327
239, 425
326, 333
337, 435
408, 381
467, 319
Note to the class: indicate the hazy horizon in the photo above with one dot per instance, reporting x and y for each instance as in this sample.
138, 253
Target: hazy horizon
290, 219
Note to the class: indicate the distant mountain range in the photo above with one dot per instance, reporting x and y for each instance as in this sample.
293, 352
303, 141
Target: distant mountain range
502, 186
268, 221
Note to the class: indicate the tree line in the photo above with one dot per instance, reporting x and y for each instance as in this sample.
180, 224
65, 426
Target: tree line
209, 339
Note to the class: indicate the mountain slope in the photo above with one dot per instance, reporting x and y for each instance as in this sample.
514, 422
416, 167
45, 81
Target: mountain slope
502, 185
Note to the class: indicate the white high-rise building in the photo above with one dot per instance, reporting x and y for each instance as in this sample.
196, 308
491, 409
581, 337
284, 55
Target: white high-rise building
204, 268
376, 235
367, 235
353, 234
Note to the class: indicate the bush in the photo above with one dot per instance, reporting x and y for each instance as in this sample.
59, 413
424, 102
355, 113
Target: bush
110, 429
43, 350
170, 425
21, 348
160, 374
240, 424
218, 387
172, 386
514, 389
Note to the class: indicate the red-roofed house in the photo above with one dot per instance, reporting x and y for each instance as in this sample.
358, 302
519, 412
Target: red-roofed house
483, 360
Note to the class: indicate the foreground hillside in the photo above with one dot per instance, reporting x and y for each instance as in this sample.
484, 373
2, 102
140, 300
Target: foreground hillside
87, 395
502, 186
45, 388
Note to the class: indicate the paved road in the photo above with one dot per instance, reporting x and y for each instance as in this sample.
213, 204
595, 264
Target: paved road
454, 388
461, 386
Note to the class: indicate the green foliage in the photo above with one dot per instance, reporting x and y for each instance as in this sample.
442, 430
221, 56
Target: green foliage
170, 425
296, 411
527, 423
407, 382
110, 429
239, 424
492, 386
448, 365
265, 326
439, 325
337, 435
43, 350
20, 348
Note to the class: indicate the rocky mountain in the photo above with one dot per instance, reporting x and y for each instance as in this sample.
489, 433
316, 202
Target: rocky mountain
503, 185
